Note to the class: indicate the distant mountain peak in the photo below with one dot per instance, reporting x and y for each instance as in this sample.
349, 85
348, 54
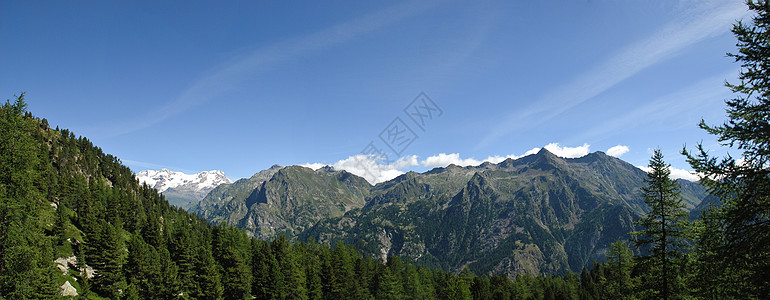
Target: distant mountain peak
593, 156
182, 189
165, 179
326, 169
543, 151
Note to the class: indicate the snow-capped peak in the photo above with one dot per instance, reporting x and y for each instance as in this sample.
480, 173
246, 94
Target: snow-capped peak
165, 179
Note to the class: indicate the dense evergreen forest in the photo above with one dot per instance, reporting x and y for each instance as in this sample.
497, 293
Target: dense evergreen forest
75, 220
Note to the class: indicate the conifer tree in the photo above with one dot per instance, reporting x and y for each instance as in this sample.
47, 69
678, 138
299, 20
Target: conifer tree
388, 285
460, 286
293, 275
143, 267
231, 247
618, 271
481, 288
106, 255
208, 281
502, 287
313, 282
365, 271
743, 184
714, 277
60, 225
264, 268
664, 230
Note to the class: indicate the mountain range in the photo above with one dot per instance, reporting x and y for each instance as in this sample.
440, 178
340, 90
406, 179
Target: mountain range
181, 189
537, 214
284, 200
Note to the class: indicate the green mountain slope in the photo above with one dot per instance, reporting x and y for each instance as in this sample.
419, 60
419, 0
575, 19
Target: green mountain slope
537, 214
227, 202
284, 200
85, 226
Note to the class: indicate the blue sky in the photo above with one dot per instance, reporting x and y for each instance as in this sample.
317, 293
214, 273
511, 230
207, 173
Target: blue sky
240, 86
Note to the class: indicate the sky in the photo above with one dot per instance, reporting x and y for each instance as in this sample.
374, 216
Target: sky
374, 87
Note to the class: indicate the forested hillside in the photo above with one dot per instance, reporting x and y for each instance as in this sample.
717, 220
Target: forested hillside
76, 222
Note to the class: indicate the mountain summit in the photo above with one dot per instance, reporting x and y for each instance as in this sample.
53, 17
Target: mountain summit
284, 200
182, 189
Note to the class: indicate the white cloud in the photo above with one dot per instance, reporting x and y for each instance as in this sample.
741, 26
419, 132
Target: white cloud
375, 171
617, 151
497, 159
568, 152
443, 160
370, 167
314, 166
676, 173
531, 151
405, 162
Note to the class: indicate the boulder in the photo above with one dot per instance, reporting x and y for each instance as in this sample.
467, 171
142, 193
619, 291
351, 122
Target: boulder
68, 290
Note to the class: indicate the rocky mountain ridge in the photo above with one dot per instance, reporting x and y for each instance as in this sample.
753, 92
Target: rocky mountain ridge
537, 214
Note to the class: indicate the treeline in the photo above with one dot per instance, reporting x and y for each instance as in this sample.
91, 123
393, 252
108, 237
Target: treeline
62, 197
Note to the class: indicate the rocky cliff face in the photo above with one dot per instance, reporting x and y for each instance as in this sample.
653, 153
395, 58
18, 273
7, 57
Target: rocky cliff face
227, 203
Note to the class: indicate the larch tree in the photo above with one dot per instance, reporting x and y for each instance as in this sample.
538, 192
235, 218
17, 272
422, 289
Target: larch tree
618, 271
664, 230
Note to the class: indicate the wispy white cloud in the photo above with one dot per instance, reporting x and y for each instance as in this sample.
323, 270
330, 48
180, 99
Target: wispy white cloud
617, 151
694, 23
669, 110
676, 173
230, 74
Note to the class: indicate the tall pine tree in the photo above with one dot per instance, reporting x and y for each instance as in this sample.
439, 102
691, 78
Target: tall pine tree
618, 271
664, 230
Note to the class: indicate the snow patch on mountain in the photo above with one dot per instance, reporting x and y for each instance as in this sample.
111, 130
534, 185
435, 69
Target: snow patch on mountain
165, 179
